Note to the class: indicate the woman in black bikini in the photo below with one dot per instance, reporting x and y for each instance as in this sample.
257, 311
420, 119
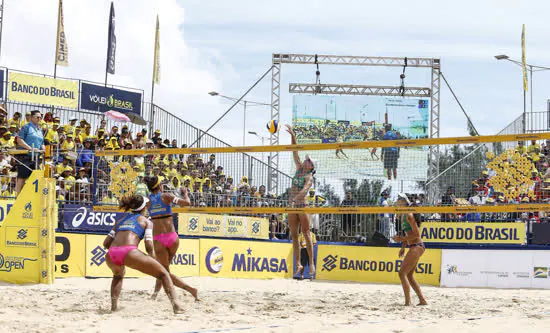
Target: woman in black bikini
411, 228
301, 182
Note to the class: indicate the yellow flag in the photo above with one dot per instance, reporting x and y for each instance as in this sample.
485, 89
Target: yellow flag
61, 47
523, 61
156, 66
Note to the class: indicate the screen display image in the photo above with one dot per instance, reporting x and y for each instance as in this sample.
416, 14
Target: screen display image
331, 119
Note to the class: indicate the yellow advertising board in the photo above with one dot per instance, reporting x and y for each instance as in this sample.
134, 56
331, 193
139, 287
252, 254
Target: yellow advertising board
258, 227
245, 259
373, 264
5, 207
190, 224
184, 263
70, 255
25, 236
473, 232
43, 90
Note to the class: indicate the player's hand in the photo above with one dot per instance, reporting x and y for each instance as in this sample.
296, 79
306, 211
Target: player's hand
397, 238
401, 252
289, 129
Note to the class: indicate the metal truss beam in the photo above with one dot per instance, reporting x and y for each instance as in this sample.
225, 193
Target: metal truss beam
312, 59
288, 58
433, 162
349, 89
273, 162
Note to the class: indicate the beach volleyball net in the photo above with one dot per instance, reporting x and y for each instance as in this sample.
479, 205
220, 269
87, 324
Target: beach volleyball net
483, 174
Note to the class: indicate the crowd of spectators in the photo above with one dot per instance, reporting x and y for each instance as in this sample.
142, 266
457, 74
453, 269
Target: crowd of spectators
483, 191
83, 178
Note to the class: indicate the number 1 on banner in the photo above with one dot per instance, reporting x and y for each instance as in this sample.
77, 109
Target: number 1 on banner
35, 183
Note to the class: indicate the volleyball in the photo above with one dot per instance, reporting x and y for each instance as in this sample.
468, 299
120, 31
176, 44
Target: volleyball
273, 126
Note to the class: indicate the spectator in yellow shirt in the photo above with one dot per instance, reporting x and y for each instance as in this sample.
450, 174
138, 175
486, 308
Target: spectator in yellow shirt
534, 152
7, 141
521, 149
70, 128
52, 137
16, 120
112, 144
69, 178
27, 119
86, 133
61, 167
68, 144
83, 124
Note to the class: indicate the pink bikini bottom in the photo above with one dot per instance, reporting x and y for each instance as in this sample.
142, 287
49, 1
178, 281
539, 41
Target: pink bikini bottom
167, 239
118, 253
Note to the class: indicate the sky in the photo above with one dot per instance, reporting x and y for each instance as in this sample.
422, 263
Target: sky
225, 46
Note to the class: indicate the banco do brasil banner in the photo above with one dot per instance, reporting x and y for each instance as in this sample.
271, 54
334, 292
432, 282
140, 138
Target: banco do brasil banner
43, 90
473, 233
373, 264
103, 99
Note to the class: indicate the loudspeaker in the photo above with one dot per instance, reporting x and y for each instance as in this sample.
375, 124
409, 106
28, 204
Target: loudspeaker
379, 239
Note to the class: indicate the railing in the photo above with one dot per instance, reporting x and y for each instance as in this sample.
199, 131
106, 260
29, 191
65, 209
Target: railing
436, 186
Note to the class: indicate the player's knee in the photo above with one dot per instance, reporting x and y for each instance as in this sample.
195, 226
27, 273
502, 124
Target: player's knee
402, 274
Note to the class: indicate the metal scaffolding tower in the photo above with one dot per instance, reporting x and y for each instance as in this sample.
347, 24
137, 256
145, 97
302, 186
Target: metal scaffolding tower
312, 59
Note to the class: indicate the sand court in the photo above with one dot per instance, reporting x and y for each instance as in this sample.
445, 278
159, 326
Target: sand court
239, 305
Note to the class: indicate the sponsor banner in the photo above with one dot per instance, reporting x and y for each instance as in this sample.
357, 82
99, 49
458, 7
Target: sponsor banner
257, 227
235, 226
103, 99
22, 236
43, 90
245, 259
70, 256
473, 233
5, 207
373, 264
83, 218
487, 268
184, 263
21, 242
222, 226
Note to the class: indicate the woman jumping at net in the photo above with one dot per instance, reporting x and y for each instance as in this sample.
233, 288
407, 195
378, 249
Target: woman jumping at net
166, 240
122, 243
301, 182
411, 228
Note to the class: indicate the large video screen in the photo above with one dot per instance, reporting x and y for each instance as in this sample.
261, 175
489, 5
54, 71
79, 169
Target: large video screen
330, 119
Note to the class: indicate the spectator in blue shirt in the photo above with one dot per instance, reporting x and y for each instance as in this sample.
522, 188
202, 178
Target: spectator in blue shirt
391, 154
30, 138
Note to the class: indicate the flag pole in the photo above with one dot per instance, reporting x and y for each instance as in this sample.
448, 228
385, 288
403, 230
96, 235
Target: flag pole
156, 76
57, 41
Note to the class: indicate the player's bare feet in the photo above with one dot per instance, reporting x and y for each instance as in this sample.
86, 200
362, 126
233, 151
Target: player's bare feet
423, 302
178, 309
114, 304
299, 269
195, 293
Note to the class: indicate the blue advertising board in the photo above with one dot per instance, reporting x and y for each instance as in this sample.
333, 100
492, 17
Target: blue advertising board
83, 218
103, 99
